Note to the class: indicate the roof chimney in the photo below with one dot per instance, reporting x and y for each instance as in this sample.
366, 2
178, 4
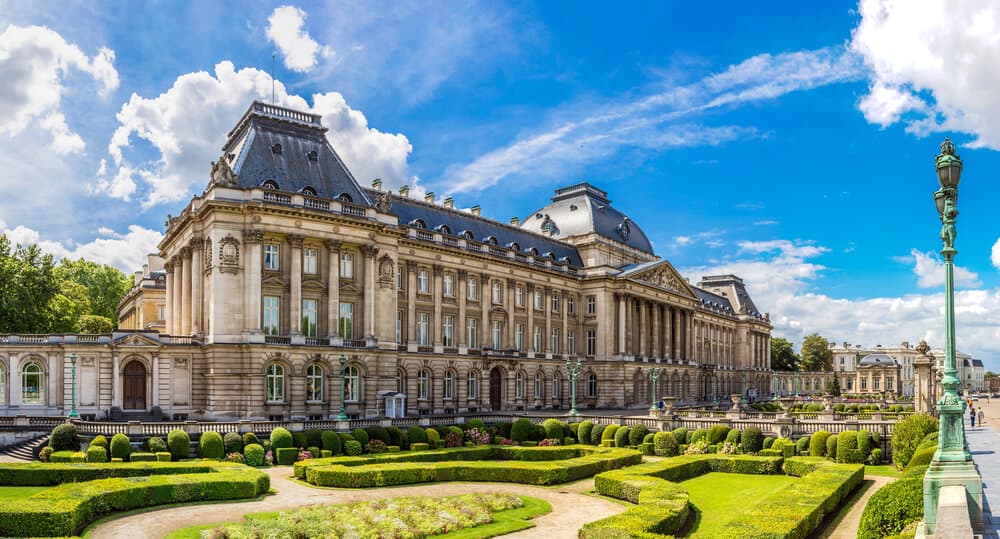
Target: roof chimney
377, 184
404, 191
429, 197
515, 220
138, 277
449, 202
475, 210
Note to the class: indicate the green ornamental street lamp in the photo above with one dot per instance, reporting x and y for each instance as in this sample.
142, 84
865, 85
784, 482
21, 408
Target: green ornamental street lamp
573, 371
952, 464
715, 388
342, 416
654, 375
72, 396
774, 383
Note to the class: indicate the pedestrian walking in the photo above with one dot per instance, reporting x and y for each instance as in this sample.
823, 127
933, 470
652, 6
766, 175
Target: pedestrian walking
972, 417
981, 416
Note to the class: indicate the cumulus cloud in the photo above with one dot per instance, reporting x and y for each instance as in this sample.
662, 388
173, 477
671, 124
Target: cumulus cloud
932, 65
34, 61
929, 269
187, 124
126, 252
995, 254
285, 30
656, 121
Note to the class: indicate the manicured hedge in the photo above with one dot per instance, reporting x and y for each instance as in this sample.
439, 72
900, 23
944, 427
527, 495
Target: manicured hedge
847, 448
907, 435
280, 437
665, 444
211, 445
894, 506
331, 442
67, 456
621, 436
287, 455
64, 438
96, 453
510, 464
637, 435
751, 441
583, 431
142, 457
120, 447
179, 444
65, 509
817, 443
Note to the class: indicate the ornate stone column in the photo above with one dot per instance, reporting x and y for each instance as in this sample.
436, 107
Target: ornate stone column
197, 286
411, 306
655, 326
547, 335
485, 298
369, 252
252, 241
186, 291
333, 290
295, 310
460, 329
509, 329
169, 311
621, 323
668, 340
438, 329
564, 332
643, 329
175, 311
530, 331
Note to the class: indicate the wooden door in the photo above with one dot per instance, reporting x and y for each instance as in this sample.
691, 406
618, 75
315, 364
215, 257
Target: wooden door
495, 388
134, 386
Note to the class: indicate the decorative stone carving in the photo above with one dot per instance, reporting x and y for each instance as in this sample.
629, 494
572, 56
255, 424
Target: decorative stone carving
369, 250
185, 252
334, 245
222, 175
624, 229
386, 271
296, 241
196, 243
438, 270
383, 202
208, 253
229, 254
253, 236
662, 276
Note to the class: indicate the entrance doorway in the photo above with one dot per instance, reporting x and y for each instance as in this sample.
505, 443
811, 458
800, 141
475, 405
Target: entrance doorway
134, 386
496, 378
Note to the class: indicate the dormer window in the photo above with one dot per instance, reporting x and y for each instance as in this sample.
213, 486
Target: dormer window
532, 251
514, 246
344, 197
418, 223
270, 184
467, 235
276, 149
308, 190
490, 240
443, 229
312, 155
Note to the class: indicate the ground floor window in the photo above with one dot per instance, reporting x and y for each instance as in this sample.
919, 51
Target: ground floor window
449, 385
423, 384
473, 385
592, 385
352, 384
33, 384
314, 383
275, 382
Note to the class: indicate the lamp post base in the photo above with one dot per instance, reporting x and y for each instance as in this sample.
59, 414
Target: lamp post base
73, 414
945, 474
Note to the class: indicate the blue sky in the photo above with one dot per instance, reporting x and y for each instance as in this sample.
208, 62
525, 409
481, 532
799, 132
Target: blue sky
792, 145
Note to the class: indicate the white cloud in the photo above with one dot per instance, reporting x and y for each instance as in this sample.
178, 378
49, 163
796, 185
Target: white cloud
929, 269
783, 248
655, 122
188, 123
681, 241
285, 29
126, 252
766, 222
932, 65
995, 254
34, 61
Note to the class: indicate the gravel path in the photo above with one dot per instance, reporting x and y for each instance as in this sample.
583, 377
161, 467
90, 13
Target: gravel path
848, 527
570, 507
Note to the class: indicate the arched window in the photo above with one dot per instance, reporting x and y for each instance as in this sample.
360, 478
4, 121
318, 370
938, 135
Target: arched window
400, 381
33, 384
532, 251
418, 223
467, 235
592, 385
443, 229
308, 190
314, 383
556, 386
423, 384
519, 386
449, 384
514, 246
344, 197
270, 184
472, 385
352, 384
3, 385
490, 240
275, 383
538, 385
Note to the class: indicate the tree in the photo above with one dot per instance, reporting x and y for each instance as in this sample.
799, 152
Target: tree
105, 285
27, 285
815, 354
66, 308
783, 356
92, 323
834, 388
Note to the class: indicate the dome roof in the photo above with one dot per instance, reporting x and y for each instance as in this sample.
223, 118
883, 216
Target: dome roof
878, 360
584, 209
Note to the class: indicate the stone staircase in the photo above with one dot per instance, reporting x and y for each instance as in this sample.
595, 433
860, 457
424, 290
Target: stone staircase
26, 450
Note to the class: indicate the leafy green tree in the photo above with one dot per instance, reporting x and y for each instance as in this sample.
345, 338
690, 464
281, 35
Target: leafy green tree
783, 356
27, 286
834, 387
105, 285
66, 308
92, 323
815, 354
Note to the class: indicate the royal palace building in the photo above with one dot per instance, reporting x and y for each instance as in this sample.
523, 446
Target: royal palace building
285, 273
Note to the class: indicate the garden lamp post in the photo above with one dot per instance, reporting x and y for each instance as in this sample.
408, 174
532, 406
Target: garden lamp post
952, 464
72, 396
774, 383
342, 416
654, 376
573, 371
715, 388
743, 387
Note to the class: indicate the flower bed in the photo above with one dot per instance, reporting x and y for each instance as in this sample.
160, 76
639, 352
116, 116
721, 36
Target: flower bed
87, 491
528, 465
663, 508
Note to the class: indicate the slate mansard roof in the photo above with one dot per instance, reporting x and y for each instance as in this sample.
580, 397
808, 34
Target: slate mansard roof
877, 360
288, 148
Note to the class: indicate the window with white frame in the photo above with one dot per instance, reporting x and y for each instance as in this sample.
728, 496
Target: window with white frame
33, 384
449, 285
875, 383
271, 252
423, 282
538, 385
555, 302
314, 383
496, 332
536, 345
555, 341
449, 385
423, 328
591, 304
518, 337
346, 266
519, 386
518, 297
274, 380
352, 384
472, 385
570, 305
592, 385
538, 300
423, 384
448, 331
400, 381
400, 279
497, 292
346, 320
472, 332
888, 383
310, 261
473, 288
591, 342
571, 342
161, 312
3, 385
310, 309
399, 326
556, 386
272, 316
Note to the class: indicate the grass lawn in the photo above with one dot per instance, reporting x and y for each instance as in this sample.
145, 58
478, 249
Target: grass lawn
884, 470
17, 493
717, 497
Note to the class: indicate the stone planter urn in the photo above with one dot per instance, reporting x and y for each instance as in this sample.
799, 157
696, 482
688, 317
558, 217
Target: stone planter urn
668, 406
786, 405
828, 403
736, 397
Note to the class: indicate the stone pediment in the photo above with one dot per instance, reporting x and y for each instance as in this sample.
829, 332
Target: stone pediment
661, 275
136, 340
273, 280
350, 288
313, 283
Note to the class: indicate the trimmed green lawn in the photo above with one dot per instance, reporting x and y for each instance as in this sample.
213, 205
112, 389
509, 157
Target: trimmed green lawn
884, 470
717, 497
17, 493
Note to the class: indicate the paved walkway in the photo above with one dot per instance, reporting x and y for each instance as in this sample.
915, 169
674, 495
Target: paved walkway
984, 443
848, 527
570, 507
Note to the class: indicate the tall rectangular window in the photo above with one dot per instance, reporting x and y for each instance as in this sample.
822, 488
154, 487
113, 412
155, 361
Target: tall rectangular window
555, 302
495, 333
538, 300
591, 304
400, 279
423, 328
310, 308
591, 342
310, 261
448, 331
272, 316
570, 305
346, 266
888, 384
875, 383
271, 257
399, 327
473, 286
472, 332
346, 320
497, 293
519, 297
555, 341
864, 383
518, 337
423, 282
449, 285
571, 342
537, 340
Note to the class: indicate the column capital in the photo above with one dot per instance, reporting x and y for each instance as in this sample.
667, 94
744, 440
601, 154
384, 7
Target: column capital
462, 274
168, 266
197, 243
411, 265
438, 270
185, 252
253, 236
511, 283
369, 250
485, 277
296, 240
333, 245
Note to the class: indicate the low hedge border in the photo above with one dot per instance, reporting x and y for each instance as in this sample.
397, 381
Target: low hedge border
526, 465
64, 510
40, 474
662, 505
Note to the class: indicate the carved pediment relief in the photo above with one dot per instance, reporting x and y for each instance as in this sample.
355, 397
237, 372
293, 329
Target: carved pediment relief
313, 283
350, 287
274, 280
664, 276
137, 341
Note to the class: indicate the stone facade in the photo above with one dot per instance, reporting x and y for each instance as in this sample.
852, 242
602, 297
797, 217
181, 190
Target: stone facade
285, 269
